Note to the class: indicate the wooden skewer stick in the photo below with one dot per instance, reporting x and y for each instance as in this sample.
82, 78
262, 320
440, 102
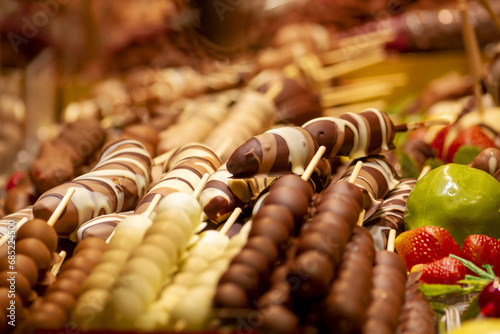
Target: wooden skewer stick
355, 171
162, 158
390, 240
6, 236
201, 186
152, 205
424, 171
312, 164
274, 90
361, 218
110, 236
55, 269
492, 13
60, 207
330, 72
473, 52
230, 221
415, 125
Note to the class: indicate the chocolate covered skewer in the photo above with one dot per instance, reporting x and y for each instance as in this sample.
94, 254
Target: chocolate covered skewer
115, 184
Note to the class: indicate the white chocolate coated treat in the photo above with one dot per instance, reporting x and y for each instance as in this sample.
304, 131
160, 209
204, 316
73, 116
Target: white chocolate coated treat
115, 184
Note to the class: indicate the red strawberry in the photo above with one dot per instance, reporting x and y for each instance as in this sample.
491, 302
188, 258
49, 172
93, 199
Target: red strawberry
14, 179
443, 271
425, 244
482, 249
438, 142
473, 136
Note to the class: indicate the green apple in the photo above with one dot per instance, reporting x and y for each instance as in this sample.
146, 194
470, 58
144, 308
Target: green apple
462, 199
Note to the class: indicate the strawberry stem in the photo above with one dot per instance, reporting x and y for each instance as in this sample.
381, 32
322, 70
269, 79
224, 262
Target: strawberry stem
489, 269
470, 265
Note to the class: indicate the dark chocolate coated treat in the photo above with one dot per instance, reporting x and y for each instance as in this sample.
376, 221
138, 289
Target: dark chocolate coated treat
294, 181
278, 319
487, 160
353, 288
377, 326
292, 199
311, 275
265, 245
278, 294
255, 260
230, 295
35, 249
24, 265
244, 276
38, 228
388, 282
391, 259
342, 314
387, 312
328, 244
270, 228
94, 243
279, 274
278, 212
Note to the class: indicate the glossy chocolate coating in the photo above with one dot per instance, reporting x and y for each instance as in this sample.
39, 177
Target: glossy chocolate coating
292, 199
35, 249
255, 260
278, 212
310, 275
265, 245
21, 282
25, 265
62, 298
294, 181
244, 276
272, 229
230, 295
38, 228
278, 319
94, 243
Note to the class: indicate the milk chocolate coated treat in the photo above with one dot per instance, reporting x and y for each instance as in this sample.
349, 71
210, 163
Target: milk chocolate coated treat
101, 227
143, 133
21, 196
487, 160
76, 143
390, 214
35, 249
116, 183
275, 151
22, 284
27, 212
354, 135
90, 243
217, 198
38, 228
376, 179
189, 164
24, 265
